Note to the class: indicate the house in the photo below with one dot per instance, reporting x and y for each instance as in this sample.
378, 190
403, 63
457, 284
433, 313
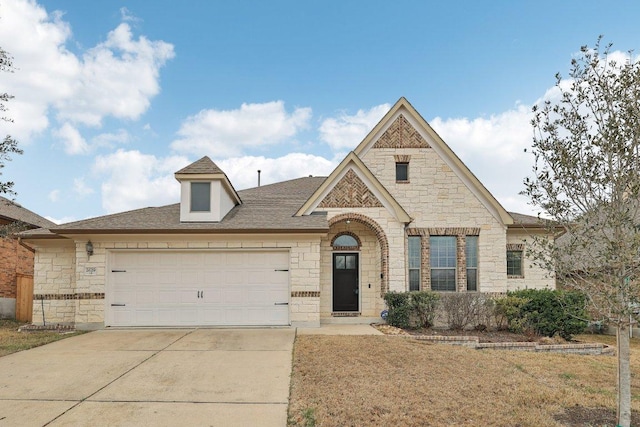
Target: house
400, 212
16, 258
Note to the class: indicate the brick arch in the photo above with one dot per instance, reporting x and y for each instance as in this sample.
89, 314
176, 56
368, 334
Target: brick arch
382, 240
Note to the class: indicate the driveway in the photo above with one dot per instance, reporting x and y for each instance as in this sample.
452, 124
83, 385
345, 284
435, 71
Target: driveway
199, 377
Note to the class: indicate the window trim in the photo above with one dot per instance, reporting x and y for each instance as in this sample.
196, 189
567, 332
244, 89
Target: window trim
346, 248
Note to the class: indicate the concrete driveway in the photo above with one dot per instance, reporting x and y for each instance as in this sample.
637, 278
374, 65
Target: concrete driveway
199, 377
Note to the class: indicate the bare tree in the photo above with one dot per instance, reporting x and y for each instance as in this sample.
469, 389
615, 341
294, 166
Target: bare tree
9, 145
586, 178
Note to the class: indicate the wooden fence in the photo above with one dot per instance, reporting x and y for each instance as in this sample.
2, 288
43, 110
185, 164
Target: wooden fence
24, 298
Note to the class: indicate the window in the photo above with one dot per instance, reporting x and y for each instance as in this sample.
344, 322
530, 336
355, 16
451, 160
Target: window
415, 259
402, 171
514, 263
200, 196
442, 251
345, 241
471, 253
345, 262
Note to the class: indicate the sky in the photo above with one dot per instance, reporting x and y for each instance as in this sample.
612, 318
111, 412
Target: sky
112, 98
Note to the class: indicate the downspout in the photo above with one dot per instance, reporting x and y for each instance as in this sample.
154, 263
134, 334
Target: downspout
24, 245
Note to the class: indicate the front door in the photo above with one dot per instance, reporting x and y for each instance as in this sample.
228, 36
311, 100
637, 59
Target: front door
345, 282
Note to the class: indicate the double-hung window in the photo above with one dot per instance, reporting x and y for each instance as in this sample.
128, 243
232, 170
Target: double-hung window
442, 251
514, 263
471, 254
415, 259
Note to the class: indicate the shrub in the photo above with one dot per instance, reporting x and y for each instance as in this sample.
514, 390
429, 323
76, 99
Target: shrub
547, 312
399, 309
466, 309
509, 313
423, 308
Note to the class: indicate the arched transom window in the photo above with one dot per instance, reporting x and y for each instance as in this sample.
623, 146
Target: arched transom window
346, 241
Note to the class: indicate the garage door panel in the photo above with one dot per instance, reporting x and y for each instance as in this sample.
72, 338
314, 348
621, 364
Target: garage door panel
183, 288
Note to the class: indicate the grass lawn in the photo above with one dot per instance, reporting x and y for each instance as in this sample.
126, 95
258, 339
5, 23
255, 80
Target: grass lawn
386, 380
12, 341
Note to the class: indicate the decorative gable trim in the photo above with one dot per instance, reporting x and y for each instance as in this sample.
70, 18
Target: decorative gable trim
401, 135
404, 109
352, 163
350, 192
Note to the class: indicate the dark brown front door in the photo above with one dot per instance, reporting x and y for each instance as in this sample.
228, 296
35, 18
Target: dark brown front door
345, 282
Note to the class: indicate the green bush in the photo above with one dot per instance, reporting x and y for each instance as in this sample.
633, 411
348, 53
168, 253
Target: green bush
423, 307
547, 312
509, 313
411, 309
399, 309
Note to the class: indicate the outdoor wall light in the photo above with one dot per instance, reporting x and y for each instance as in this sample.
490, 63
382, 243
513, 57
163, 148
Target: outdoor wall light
89, 248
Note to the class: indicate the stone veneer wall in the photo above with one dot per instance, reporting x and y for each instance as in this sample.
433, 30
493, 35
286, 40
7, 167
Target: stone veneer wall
534, 276
435, 197
71, 296
369, 277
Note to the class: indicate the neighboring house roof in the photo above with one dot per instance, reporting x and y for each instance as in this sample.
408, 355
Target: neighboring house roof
354, 163
12, 211
266, 209
443, 150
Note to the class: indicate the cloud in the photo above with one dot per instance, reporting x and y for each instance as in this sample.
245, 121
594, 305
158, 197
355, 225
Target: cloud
134, 180
346, 132
54, 195
223, 133
243, 171
71, 140
62, 220
116, 78
81, 188
121, 136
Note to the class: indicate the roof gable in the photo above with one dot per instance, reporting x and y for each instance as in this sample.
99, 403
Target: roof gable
12, 211
404, 127
352, 184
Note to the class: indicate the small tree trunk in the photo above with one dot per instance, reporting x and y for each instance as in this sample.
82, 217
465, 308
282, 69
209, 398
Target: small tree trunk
624, 377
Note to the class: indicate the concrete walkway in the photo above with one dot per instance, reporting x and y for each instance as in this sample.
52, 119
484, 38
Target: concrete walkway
189, 377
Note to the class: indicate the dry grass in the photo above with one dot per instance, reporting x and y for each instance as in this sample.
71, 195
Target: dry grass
385, 380
12, 341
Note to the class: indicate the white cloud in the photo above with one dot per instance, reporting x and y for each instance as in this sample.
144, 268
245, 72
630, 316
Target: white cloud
346, 132
121, 136
81, 188
115, 78
243, 171
71, 139
222, 133
135, 180
54, 195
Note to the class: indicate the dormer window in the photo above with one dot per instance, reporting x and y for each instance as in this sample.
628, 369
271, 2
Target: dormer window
200, 197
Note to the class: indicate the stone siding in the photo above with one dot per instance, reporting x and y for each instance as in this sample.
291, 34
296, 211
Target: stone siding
534, 277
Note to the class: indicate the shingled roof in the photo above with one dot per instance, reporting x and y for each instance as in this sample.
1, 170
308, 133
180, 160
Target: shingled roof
203, 166
12, 211
266, 209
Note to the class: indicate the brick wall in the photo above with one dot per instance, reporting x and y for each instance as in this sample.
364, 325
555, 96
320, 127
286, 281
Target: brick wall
14, 258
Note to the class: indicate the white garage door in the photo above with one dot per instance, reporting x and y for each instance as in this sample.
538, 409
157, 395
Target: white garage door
186, 288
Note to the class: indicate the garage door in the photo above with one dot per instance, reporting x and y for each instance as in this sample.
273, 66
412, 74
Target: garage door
186, 288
